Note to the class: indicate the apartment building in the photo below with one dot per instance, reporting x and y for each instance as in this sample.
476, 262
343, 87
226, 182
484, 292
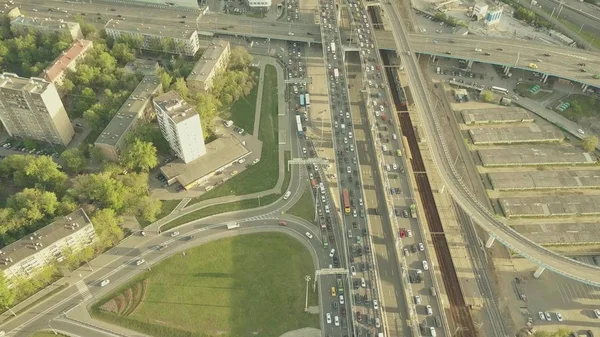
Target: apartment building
22, 259
180, 125
214, 60
68, 59
23, 24
259, 3
31, 108
112, 139
171, 39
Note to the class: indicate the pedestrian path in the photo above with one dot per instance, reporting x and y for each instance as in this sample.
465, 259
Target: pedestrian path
83, 290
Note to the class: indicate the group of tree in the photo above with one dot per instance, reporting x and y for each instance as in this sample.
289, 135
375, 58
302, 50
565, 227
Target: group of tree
487, 96
522, 13
449, 20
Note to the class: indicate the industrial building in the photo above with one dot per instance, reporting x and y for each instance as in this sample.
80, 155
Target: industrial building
31, 108
549, 206
548, 234
538, 154
214, 60
112, 139
540, 180
496, 115
180, 125
170, 39
23, 24
259, 3
23, 258
531, 133
479, 10
56, 72
493, 16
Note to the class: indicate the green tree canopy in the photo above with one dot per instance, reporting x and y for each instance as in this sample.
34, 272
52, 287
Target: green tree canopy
33, 205
240, 58
487, 96
139, 155
7, 297
73, 160
106, 222
589, 143
32, 171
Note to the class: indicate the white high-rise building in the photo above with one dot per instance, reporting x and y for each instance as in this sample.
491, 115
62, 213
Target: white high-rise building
180, 125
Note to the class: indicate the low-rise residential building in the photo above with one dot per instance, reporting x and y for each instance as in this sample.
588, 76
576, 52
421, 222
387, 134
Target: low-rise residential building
31, 108
112, 139
169, 39
23, 24
25, 257
493, 16
180, 125
68, 59
214, 60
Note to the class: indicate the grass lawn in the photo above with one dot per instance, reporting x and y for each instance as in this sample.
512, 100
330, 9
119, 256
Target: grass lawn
167, 207
523, 88
241, 286
589, 106
264, 174
47, 334
222, 208
242, 111
305, 207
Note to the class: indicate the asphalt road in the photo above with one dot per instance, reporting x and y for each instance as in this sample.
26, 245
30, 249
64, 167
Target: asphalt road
577, 13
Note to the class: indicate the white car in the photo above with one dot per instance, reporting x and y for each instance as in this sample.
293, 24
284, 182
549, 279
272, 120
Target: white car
417, 299
350, 135
381, 108
328, 317
360, 201
336, 321
384, 148
140, 261
597, 313
429, 310
332, 253
425, 265
548, 317
353, 270
287, 195
104, 283
174, 234
559, 317
354, 213
409, 233
377, 323
303, 150
342, 299
421, 247
542, 317
376, 113
308, 235
327, 210
349, 169
394, 137
395, 166
375, 305
387, 167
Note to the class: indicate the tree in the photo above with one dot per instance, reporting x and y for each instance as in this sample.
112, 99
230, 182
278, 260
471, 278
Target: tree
106, 222
487, 96
140, 156
589, 143
165, 80
7, 297
101, 189
32, 204
207, 107
31, 171
240, 59
73, 160
181, 87
148, 209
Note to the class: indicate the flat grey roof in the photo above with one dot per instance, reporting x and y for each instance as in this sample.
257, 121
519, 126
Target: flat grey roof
496, 115
175, 31
534, 180
219, 153
14, 82
208, 60
46, 236
538, 154
532, 133
176, 107
45, 23
546, 206
130, 110
561, 234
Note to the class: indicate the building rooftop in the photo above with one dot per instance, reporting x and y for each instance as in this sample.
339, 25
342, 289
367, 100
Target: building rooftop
208, 60
44, 237
556, 205
45, 23
63, 61
129, 111
172, 31
496, 115
219, 153
534, 180
562, 233
14, 82
538, 154
530, 133
175, 106
146, 67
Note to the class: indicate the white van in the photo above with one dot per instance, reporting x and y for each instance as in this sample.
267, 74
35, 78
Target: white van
287, 195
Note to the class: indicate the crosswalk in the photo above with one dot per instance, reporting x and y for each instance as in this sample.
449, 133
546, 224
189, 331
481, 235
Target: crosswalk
270, 216
83, 290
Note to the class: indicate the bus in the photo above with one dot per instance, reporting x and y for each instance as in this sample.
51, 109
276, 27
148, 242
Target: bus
313, 183
299, 125
500, 90
325, 242
302, 100
346, 197
307, 99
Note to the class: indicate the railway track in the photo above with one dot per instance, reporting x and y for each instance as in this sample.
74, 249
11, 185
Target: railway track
459, 312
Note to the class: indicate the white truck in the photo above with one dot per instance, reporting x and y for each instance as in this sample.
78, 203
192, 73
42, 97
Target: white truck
233, 225
336, 73
332, 47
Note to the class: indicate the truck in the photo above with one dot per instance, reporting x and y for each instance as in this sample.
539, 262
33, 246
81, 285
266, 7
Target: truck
336, 73
307, 100
413, 211
438, 70
233, 225
333, 47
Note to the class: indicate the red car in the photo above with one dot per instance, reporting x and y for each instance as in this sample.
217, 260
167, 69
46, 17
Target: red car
384, 117
282, 223
402, 233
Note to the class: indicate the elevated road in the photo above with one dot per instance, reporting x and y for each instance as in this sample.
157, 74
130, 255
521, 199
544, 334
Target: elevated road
497, 227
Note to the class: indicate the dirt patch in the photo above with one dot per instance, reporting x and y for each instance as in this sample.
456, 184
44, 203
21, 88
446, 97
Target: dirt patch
304, 332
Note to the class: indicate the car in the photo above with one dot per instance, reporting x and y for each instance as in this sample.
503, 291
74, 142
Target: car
548, 317
405, 213
559, 317
140, 261
303, 150
350, 234
394, 137
395, 166
328, 317
174, 234
354, 214
432, 331
308, 235
429, 310
161, 247
377, 323
417, 299
409, 233
542, 317
421, 247
406, 252
342, 299
282, 223
353, 270
597, 313
104, 282
581, 131
375, 305
425, 265
336, 320
332, 253
358, 316
188, 238
287, 195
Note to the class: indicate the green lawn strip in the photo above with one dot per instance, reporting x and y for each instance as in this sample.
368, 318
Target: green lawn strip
221, 208
243, 111
47, 334
167, 207
287, 155
523, 89
589, 107
264, 174
245, 285
305, 207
